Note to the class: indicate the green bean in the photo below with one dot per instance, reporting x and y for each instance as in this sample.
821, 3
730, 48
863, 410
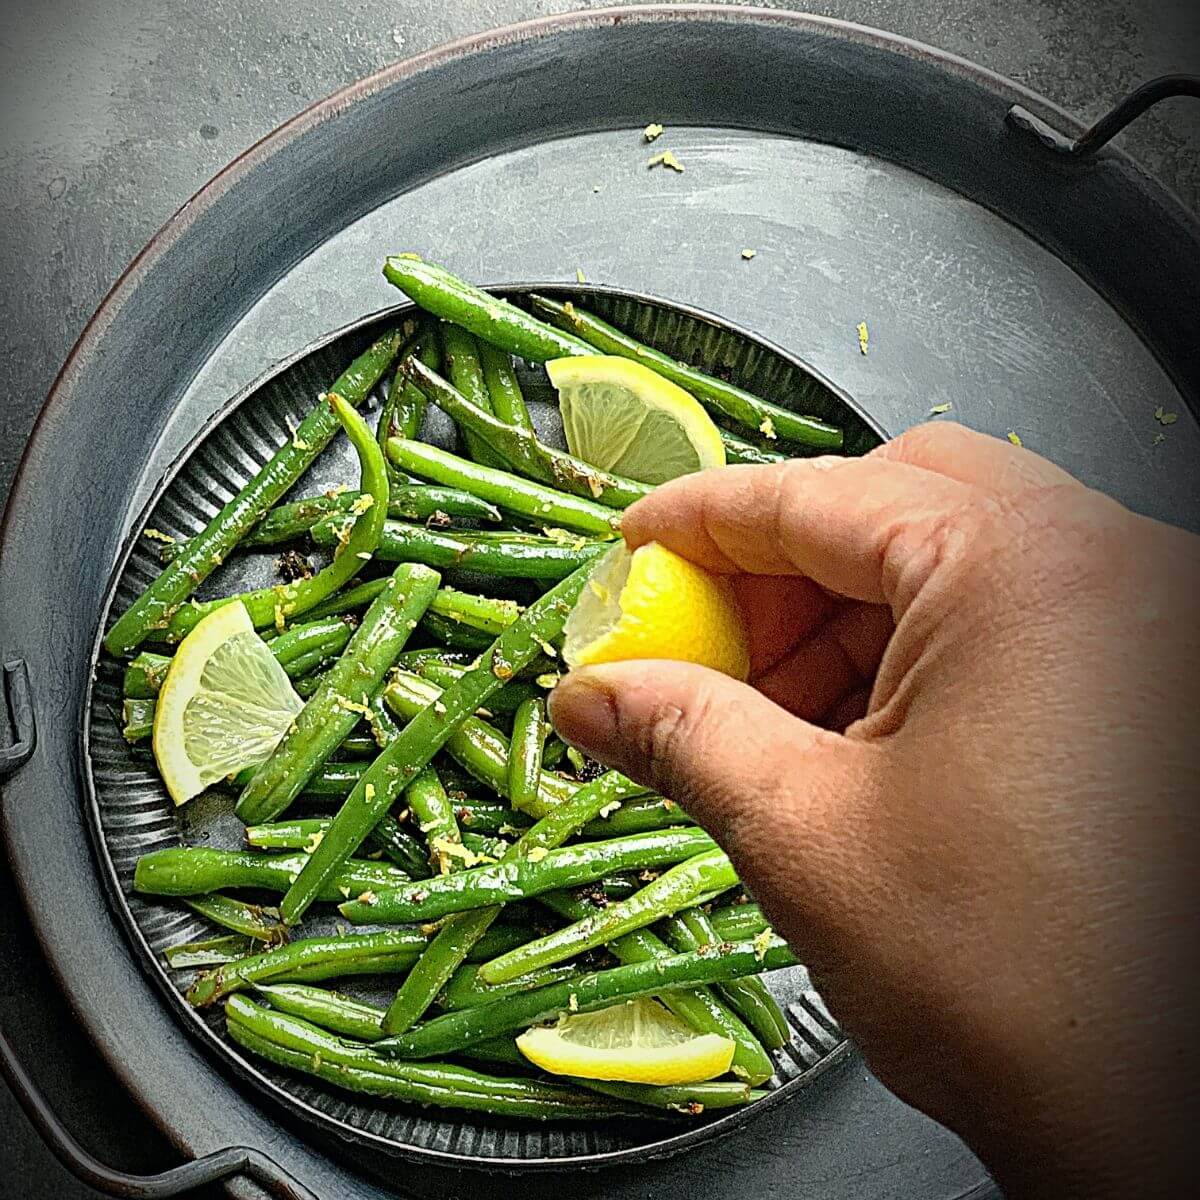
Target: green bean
426, 734
749, 997
449, 1033
299, 648
340, 954
476, 746
525, 753
274, 605
487, 317
333, 780
718, 396
541, 504
553, 752
504, 703
738, 450
480, 816
349, 599
504, 390
388, 836
520, 878
194, 870
460, 355
403, 411
434, 816
137, 718
407, 502
330, 1010
690, 1098
334, 709
680, 887
397, 962
144, 675
521, 450
485, 613
380, 721
153, 608
212, 952
465, 931
422, 502
465, 990
637, 816
291, 1042
698, 1007
496, 1050
251, 920
454, 636
508, 556
738, 922
484, 847
443, 674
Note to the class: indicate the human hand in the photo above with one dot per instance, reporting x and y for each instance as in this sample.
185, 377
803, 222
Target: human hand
960, 782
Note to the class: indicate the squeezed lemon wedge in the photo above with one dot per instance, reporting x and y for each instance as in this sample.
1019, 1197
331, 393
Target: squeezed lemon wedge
652, 603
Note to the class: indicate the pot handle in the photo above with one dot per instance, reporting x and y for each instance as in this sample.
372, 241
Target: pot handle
15, 697
1082, 148
235, 1160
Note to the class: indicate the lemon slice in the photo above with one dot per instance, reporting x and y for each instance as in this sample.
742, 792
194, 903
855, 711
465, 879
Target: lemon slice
620, 416
225, 704
654, 604
635, 1042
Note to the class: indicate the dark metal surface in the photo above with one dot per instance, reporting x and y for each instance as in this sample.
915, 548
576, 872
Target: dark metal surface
899, 1144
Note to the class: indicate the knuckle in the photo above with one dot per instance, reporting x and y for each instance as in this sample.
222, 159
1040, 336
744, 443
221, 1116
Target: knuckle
672, 737
943, 548
926, 443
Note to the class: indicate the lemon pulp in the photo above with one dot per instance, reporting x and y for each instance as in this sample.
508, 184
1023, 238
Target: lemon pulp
639, 1041
622, 417
224, 704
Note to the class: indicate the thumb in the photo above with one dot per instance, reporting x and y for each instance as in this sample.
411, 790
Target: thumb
777, 793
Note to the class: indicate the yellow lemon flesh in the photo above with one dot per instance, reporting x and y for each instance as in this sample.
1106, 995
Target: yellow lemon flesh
225, 704
652, 603
620, 416
635, 1042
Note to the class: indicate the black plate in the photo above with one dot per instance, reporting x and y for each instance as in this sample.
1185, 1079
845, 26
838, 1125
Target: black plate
131, 813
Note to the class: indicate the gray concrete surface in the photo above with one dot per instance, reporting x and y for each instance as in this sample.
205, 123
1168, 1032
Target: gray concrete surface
114, 113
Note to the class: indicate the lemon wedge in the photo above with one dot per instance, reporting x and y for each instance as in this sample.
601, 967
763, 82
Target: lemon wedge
225, 704
652, 603
635, 1042
620, 416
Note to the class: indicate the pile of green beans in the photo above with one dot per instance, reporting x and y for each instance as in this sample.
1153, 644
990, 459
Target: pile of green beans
422, 795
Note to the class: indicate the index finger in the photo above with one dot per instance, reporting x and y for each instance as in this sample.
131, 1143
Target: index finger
853, 525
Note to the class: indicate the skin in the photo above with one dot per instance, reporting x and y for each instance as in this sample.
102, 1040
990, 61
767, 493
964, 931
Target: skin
969, 723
